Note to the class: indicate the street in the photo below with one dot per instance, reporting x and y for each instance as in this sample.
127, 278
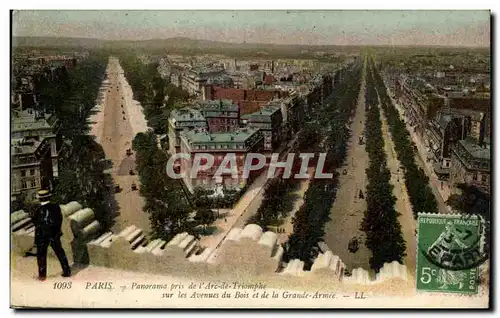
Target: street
348, 209
116, 137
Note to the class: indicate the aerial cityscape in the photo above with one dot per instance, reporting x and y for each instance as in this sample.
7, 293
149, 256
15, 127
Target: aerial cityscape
310, 156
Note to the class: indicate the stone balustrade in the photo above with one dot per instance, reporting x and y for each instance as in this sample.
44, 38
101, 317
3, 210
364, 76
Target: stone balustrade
245, 253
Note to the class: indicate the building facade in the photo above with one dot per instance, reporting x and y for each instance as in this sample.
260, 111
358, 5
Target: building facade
239, 143
269, 120
35, 148
447, 129
471, 163
221, 115
183, 120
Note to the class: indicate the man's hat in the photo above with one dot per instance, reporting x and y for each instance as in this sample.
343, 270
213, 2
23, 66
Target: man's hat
44, 195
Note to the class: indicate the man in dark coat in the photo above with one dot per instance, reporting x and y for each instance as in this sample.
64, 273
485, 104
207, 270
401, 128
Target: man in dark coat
48, 220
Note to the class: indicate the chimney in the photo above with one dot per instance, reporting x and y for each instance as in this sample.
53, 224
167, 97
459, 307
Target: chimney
482, 130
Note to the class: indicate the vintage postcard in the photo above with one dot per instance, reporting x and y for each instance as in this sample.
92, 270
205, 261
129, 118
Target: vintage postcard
250, 159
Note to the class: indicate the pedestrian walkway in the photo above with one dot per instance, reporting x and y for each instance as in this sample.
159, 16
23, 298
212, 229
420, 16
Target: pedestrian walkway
441, 188
287, 225
232, 216
402, 205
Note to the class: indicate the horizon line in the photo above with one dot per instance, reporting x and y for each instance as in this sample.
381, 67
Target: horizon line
255, 43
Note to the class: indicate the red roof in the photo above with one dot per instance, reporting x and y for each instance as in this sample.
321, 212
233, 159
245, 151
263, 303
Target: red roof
269, 79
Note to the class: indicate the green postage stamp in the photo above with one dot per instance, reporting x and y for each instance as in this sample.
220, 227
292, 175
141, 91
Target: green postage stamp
450, 250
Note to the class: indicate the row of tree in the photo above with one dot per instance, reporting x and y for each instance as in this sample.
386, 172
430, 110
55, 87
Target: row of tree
70, 94
421, 197
156, 94
278, 195
166, 201
380, 222
169, 211
331, 122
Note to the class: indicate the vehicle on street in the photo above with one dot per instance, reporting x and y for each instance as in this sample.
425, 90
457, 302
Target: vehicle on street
129, 152
117, 188
361, 195
344, 172
131, 172
133, 186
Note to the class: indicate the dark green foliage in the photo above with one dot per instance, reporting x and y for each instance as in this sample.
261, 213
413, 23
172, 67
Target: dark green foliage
164, 198
380, 222
204, 216
330, 124
82, 178
275, 203
70, 95
417, 182
155, 94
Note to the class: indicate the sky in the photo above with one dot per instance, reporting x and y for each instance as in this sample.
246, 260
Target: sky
419, 27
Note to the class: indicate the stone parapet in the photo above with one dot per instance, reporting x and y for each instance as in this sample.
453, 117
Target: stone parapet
246, 253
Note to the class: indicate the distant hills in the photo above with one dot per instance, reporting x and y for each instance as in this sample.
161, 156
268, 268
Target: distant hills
174, 43
23, 41
188, 45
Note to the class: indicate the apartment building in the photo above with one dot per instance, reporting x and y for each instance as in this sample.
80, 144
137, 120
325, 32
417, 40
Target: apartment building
183, 120
240, 143
35, 148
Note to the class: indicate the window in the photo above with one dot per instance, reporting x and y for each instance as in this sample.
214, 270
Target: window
23, 173
32, 172
484, 178
33, 183
24, 185
474, 176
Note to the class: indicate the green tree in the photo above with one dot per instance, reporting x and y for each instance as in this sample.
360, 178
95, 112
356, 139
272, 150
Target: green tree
165, 202
82, 178
204, 216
